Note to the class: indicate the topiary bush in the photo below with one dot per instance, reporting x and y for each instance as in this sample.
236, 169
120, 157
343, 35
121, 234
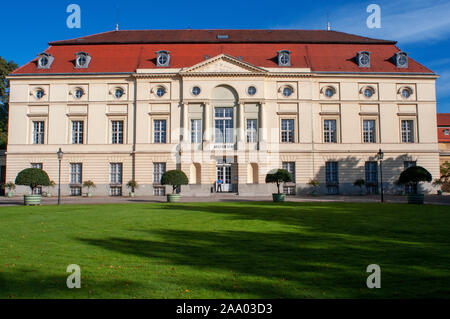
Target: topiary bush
32, 177
413, 176
176, 178
278, 176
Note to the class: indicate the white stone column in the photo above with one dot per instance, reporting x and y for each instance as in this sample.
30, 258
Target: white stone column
241, 122
262, 124
185, 123
207, 122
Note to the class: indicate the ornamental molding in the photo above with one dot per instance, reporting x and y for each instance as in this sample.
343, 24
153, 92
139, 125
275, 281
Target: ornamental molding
223, 64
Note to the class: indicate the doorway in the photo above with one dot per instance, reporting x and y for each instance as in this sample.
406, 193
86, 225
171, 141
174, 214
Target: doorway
224, 174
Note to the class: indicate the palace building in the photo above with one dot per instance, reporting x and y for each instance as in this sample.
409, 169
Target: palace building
228, 104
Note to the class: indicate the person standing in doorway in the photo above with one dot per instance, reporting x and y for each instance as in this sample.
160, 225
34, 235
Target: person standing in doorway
219, 185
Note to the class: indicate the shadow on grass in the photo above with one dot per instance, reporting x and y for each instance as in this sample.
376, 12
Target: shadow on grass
287, 264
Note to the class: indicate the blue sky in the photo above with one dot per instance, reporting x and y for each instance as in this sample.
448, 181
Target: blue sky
422, 27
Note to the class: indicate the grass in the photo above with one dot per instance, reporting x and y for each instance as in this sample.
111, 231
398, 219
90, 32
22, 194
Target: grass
225, 250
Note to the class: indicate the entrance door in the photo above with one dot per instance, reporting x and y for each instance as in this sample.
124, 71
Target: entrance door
224, 173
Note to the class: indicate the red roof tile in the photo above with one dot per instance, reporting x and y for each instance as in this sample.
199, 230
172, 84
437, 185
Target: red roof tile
320, 57
211, 36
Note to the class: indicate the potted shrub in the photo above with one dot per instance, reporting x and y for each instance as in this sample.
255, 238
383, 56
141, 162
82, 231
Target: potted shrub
176, 178
360, 183
10, 186
132, 185
49, 193
89, 184
413, 176
314, 183
277, 177
32, 177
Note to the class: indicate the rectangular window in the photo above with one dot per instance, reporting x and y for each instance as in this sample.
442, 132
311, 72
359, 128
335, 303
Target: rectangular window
159, 131
407, 131
117, 132
329, 131
252, 131
37, 165
369, 131
38, 132
287, 131
223, 125
115, 191
158, 170
332, 177
290, 167
159, 191
77, 132
115, 173
37, 190
76, 173
371, 170
289, 190
75, 191
196, 131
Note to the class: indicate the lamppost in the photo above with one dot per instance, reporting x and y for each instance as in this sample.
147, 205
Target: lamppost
380, 156
60, 156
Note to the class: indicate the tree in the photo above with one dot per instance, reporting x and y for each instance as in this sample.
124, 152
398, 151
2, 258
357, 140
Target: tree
5, 69
278, 176
413, 176
132, 185
89, 184
176, 178
444, 180
32, 177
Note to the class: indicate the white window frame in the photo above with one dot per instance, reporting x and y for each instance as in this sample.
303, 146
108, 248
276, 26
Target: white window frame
38, 137
409, 133
117, 135
330, 136
76, 173
196, 131
159, 168
290, 167
369, 137
77, 134
251, 130
287, 133
160, 133
116, 173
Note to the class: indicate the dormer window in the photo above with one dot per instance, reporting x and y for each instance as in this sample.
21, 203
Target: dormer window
162, 58
284, 58
82, 60
364, 59
45, 60
401, 59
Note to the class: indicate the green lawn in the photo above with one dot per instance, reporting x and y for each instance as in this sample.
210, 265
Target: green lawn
225, 250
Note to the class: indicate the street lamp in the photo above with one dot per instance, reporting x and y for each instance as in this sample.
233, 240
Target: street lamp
380, 156
60, 156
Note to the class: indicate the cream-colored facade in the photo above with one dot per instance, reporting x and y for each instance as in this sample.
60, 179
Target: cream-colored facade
223, 82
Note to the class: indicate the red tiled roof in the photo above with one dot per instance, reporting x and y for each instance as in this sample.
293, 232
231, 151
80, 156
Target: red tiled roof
443, 123
320, 57
211, 36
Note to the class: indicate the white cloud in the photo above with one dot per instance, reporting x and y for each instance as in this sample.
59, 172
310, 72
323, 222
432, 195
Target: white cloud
406, 21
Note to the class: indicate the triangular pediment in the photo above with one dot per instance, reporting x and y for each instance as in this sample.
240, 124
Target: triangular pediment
223, 63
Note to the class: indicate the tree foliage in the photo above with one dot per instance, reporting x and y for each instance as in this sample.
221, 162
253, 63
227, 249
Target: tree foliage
32, 177
444, 179
278, 176
5, 68
176, 178
413, 176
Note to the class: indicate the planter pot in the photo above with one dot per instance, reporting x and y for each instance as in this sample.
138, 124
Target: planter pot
173, 198
439, 192
89, 194
49, 195
132, 194
415, 199
279, 197
9, 194
32, 200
